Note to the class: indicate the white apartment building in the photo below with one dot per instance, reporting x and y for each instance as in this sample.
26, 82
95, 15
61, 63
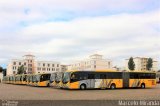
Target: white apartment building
47, 66
140, 64
64, 68
31, 65
94, 62
27, 61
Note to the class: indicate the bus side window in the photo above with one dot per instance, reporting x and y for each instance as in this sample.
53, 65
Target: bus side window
82, 76
42, 77
109, 75
75, 77
153, 76
102, 76
91, 76
48, 76
97, 76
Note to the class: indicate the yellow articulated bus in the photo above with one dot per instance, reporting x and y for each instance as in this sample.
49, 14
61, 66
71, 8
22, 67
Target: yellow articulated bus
41, 79
8, 79
110, 79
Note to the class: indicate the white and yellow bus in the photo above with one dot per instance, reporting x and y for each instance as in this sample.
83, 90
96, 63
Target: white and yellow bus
107, 79
41, 79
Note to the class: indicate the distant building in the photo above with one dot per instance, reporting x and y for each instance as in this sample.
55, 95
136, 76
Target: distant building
94, 62
47, 66
31, 65
27, 61
64, 68
140, 64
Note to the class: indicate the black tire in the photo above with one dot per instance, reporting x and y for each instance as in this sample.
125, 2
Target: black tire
83, 87
113, 86
143, 86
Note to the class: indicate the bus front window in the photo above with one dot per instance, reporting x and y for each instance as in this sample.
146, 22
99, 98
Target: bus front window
66, 77
34, 79
37, 78
52, 77
58, 78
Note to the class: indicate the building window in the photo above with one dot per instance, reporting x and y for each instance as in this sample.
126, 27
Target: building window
39, 64
24, 63
30, 69
94, 66
31, 61
19, 63
43, 64
53, 69
52, 65
14, 63
57, 65
30, 65
48, 65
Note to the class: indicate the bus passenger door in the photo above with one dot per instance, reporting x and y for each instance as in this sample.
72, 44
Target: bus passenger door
91, 80
125, 79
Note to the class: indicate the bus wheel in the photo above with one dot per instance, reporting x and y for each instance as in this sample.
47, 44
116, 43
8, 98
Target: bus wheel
83, 87
113, 86
143, 86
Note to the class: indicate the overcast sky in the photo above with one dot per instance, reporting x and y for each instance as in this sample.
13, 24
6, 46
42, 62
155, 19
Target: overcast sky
70, 30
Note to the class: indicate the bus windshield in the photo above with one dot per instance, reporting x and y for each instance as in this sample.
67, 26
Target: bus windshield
59, 77
30, 78
34, 78
53, 77
66, 77
38, 78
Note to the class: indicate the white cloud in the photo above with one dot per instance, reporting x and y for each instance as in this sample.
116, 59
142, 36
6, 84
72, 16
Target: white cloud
116, 36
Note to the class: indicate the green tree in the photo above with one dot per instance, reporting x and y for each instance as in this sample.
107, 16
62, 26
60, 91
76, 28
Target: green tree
149, 64
131, 64
21, 70
1, 69
4, 72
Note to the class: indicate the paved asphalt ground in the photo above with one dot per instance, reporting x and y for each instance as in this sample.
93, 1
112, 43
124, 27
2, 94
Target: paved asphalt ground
22, 92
